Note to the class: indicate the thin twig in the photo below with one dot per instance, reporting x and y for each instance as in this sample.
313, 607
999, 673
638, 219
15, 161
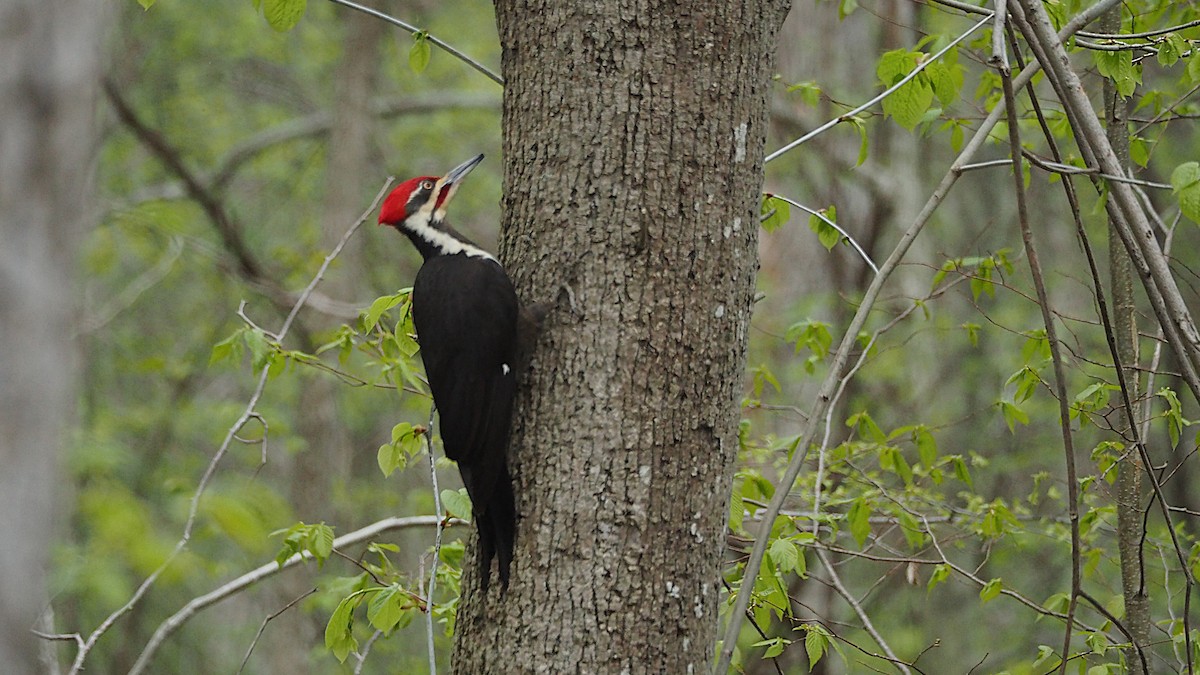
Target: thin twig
361, 656
841, 590
828, 387
263, 627
1060, 378
414, 30
866, 258
235, 586
247, 414
882, 95
437, 543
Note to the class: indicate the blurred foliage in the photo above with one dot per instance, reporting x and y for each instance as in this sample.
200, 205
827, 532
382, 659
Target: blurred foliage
945, 443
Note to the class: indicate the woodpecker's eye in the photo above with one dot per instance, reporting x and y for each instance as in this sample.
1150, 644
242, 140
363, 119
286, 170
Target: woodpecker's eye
426, 185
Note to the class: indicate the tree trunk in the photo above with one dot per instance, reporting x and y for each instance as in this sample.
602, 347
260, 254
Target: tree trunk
48, 77
1129, 470
633, 140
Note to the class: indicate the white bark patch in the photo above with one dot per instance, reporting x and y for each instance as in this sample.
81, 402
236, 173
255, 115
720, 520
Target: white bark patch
644, 474
739, 143
673, 590
720, 311
737, 224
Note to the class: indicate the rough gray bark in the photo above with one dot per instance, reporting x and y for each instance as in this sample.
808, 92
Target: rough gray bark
48, 74
633, 140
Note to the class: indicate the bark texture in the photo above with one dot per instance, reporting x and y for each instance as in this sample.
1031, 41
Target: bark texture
48, 75
1124, 318
633, 140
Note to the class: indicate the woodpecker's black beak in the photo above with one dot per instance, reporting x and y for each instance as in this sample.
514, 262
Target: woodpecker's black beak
459, 172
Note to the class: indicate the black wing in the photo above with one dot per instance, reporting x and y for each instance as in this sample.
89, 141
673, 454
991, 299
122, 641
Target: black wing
465, 312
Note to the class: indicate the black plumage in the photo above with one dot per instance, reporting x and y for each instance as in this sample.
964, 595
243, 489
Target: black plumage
474, 336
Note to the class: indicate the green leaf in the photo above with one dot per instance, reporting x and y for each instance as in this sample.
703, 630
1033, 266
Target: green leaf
1059, 602
866, 427
782, 212
260, 348
377, 308
390, 457
990, 590
339, 632
146, 4
864, 144
784, 554
419, 54
737, 507
940, 574
1118, 66
926, 446
827, 234
846, 8
774, 646
859, 519
1185, 180
816, 643
320, 541
913, 534
1139, 151
972, 332
908, 103
1012, 415
960, 470
283, 15
1176, 422
388, 606
457, 503
228, 349
890, 459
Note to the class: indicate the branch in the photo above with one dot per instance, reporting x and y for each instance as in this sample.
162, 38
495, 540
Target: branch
246, 265
248, 413
320, 123
230, 588
1060, 378
1129, 219
825, 394
841, 590
230, 235
884, 94
263, 627
414, 30
437, 543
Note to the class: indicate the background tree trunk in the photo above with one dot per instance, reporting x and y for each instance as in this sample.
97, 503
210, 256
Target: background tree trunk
49, 63
1125, 334
633, 139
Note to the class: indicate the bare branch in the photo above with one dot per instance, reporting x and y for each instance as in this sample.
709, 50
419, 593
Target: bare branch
248, 413
413, 29
263, 627
231, 588
882, 95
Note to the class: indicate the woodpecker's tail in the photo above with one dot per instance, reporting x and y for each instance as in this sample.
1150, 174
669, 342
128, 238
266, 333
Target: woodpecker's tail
495, 512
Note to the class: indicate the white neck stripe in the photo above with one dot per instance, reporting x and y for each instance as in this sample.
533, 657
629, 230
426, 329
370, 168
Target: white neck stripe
445, 243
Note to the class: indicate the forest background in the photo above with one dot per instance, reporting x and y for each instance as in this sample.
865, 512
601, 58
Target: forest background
931, 528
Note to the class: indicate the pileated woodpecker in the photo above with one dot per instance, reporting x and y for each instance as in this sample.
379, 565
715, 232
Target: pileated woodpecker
467, 318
